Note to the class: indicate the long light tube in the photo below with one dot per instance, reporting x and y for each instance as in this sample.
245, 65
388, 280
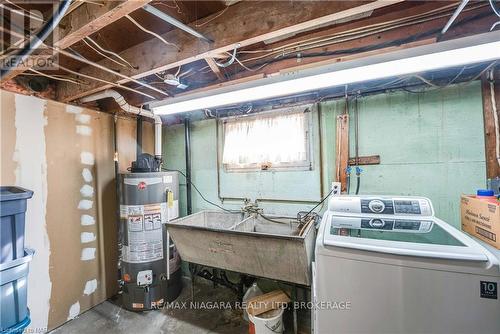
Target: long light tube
432, 61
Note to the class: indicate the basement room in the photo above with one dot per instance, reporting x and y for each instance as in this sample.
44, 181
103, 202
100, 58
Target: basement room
250, 166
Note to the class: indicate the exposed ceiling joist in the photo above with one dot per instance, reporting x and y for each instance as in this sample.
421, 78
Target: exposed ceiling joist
84, 21
245, 23
215, 68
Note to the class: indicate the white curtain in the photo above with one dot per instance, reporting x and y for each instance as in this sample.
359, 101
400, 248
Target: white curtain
271, 139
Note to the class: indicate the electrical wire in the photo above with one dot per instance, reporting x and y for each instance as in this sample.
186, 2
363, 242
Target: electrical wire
54, 77
231, 59
162, 3
497, 13
92, 77
109, 52
105, 81
199, 192
249, 210
151, 32
91, 63
495, 9
211, 19
102, 54
319, 203
282, 54
355, 50
364, 28
435, 86
349, 35
312, 43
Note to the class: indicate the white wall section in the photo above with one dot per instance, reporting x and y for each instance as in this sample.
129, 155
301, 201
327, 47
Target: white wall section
31, 173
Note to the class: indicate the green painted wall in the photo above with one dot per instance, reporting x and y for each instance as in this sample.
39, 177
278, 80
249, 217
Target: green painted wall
431, 144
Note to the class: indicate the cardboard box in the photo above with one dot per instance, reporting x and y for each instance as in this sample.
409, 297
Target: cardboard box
481, 218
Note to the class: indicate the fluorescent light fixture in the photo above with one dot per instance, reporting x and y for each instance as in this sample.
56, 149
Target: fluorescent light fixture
469, 50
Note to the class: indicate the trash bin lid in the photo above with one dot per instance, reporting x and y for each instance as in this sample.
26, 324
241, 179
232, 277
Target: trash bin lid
10, 193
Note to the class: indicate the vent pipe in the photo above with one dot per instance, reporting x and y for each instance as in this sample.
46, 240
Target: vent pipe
132, 110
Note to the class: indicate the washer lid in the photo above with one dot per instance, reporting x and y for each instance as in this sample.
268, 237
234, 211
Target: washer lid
426, 238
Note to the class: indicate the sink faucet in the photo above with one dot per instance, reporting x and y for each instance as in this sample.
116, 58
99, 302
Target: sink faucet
251, 207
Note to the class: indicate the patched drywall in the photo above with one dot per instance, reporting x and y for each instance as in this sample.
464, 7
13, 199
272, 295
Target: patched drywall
65, 154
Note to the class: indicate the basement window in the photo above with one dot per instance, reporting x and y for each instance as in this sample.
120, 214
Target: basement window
269, 141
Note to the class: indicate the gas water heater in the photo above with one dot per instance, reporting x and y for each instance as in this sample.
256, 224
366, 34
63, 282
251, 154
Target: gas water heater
150, 265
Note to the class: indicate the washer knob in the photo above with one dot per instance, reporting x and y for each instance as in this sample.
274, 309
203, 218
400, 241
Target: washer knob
376, 206
377, 223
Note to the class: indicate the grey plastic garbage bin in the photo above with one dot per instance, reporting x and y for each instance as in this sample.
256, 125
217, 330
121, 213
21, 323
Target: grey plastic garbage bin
14, 293
13, 202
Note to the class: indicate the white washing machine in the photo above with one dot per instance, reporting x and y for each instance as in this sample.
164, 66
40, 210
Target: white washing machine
388, 265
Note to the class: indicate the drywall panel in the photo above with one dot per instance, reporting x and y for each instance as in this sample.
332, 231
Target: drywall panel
126, 129
69, 199
65, 154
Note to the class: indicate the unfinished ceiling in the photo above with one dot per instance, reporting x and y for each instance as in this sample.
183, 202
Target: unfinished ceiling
122, 45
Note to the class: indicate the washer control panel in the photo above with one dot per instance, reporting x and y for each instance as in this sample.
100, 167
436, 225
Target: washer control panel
383, 205
381, 224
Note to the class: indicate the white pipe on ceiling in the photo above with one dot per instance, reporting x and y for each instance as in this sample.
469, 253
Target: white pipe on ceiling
125, 106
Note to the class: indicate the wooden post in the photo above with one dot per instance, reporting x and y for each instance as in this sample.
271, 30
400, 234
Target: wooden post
342, 150
491, 125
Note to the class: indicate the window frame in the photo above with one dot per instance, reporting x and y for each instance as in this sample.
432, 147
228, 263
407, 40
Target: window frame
306, 165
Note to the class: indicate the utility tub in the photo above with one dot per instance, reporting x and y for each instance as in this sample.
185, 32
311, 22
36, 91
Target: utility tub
251, 245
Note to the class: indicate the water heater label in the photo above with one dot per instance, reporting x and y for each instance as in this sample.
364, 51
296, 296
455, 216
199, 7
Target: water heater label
145, 235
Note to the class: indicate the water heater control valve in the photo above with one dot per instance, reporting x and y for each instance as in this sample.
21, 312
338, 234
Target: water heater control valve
145, 278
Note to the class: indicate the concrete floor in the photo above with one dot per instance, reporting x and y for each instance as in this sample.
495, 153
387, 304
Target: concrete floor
110, 317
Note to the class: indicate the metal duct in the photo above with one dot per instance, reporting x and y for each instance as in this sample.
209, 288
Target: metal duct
130, 109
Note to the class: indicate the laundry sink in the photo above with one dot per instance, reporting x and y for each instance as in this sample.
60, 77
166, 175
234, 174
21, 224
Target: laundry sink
277, 248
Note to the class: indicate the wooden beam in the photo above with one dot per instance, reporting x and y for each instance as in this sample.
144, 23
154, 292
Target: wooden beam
342, 150
401, 12
22, 87
89, 18
215, 68
491, 125
84, 21
367, 160
243, 24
